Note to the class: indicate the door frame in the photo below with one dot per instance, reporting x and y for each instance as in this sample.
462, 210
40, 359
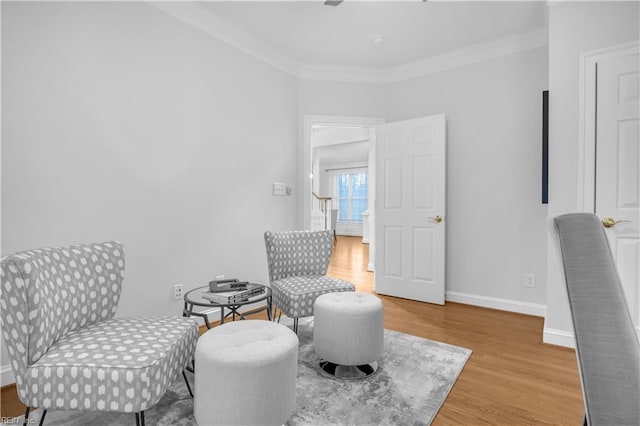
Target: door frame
587, 119
306, 161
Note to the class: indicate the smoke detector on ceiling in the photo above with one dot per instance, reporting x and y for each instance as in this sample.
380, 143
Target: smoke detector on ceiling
377, 41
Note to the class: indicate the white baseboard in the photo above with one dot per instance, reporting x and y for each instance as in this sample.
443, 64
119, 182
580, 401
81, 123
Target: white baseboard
496, 303
213, 314
564, 338
558, 337
6, 375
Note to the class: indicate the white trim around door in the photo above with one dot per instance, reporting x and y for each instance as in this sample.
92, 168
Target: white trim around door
587, 119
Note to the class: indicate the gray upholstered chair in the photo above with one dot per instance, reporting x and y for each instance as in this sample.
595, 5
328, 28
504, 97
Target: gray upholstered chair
298, 262
607, 346
67, 350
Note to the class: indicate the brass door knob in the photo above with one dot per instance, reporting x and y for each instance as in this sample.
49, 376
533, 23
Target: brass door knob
609, 222
436, 219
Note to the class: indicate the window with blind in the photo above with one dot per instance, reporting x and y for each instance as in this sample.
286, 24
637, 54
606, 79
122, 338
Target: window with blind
350, 189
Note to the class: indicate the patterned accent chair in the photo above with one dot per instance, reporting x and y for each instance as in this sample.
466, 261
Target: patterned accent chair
67, 350
298, 262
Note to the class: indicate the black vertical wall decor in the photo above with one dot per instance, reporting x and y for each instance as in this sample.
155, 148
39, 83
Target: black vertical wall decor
545, 147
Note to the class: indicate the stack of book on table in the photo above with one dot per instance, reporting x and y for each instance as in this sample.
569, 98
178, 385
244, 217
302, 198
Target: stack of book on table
240, 292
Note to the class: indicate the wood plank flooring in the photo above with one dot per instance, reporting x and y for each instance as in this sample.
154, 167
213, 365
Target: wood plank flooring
10, 406
511, 378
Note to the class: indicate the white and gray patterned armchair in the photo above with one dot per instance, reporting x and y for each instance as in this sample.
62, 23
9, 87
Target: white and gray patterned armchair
67, 350
298, 262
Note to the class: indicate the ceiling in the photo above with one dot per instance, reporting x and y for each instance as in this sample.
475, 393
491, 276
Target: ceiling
334, 146
310, 32
343, 154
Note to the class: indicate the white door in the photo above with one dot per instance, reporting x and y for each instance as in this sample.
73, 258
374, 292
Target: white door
410, 209
617, 195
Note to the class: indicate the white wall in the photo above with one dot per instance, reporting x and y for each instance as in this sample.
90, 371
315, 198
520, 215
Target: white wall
121, 122
342, 99
574, 28
495, 219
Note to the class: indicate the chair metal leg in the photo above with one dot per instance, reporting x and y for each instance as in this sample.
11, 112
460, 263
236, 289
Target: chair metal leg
26, 416
44, 413
184, 374
140, 418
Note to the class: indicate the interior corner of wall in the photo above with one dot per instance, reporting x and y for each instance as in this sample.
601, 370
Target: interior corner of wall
557, 337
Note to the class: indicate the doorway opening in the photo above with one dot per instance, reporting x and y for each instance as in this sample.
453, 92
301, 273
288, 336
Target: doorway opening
340, 180
339, 176
407, 227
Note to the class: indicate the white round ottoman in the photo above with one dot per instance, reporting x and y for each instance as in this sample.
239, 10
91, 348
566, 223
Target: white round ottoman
348, 333
246, 374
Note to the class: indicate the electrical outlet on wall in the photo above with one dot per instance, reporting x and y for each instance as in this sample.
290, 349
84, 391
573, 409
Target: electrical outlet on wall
177, 291
529, 280
279, 188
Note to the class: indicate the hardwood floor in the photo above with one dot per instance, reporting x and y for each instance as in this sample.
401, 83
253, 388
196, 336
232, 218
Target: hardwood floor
511, 378
10, 406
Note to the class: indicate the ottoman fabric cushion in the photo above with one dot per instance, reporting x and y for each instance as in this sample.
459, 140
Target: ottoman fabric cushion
246, 374
348, 328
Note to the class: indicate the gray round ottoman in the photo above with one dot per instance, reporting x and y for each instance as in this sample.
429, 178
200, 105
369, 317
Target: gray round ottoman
246, 374
348, 333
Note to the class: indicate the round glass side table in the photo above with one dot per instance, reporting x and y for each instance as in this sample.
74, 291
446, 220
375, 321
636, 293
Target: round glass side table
194, 298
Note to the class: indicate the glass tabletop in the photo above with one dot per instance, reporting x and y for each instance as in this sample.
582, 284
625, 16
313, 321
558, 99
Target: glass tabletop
194, 297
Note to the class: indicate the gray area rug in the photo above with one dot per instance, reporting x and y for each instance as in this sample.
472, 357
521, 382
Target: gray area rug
413, 380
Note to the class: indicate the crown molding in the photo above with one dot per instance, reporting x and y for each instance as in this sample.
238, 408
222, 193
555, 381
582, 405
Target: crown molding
199, 17
473, 54
345, 73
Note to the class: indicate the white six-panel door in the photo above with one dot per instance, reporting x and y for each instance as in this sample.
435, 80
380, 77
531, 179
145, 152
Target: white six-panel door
617, 194
410, 209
